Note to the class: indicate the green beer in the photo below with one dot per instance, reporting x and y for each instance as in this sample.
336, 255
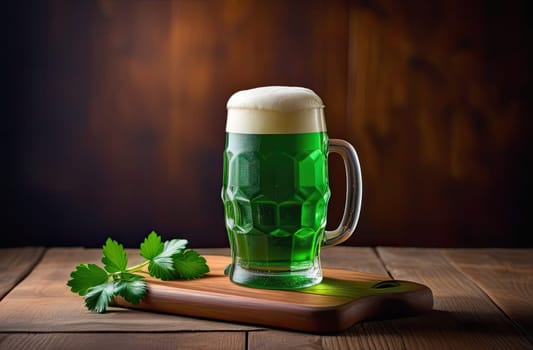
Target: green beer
275, 187
275, 193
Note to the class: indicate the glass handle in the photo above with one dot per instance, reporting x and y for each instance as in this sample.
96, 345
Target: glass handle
354, 192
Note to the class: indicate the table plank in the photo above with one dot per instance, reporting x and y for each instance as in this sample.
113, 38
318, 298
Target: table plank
505, 275
130, 341
464, 317
367, 335
15, 264
361, 259
59, 308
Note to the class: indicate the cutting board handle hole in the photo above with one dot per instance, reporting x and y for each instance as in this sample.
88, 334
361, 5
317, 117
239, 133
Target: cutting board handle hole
386, 284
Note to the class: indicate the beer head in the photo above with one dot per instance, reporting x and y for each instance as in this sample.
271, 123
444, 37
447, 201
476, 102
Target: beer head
275, 110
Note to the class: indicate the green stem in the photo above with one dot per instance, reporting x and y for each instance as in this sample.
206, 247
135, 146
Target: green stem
138, 267
144, 272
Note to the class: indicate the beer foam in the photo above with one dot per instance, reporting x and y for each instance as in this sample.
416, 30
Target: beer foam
276, 98
275, 110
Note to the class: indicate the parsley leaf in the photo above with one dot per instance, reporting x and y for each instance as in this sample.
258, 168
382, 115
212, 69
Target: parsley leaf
86, 276
132, 289
165, 260
189, 264
115, 259
98, 297
152, 246
162, 265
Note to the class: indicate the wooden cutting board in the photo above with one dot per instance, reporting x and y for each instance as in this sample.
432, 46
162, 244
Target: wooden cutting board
341, 300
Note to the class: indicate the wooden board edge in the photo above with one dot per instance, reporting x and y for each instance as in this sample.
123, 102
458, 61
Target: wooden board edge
283, 315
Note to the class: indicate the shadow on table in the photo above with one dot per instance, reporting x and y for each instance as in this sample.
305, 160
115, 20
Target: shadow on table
441, 322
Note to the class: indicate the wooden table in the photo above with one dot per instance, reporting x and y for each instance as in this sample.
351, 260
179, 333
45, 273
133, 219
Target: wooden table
483, 300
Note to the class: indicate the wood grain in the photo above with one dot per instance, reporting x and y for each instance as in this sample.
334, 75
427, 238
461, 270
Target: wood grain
469, 313
505, 275
133, 341
119, 108
438, 131
15, 264
461, 308
362, 259
133, 107
59, 308
366, 335
342, 299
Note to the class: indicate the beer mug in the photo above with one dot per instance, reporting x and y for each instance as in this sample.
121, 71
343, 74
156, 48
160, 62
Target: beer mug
276, 190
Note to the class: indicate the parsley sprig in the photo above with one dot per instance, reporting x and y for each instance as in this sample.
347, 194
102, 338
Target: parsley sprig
168, 260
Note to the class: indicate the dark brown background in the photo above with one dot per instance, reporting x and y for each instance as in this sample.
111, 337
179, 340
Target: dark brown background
115, 112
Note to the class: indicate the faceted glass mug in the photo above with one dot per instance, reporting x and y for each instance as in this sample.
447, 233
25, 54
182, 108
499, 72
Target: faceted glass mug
276, 189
